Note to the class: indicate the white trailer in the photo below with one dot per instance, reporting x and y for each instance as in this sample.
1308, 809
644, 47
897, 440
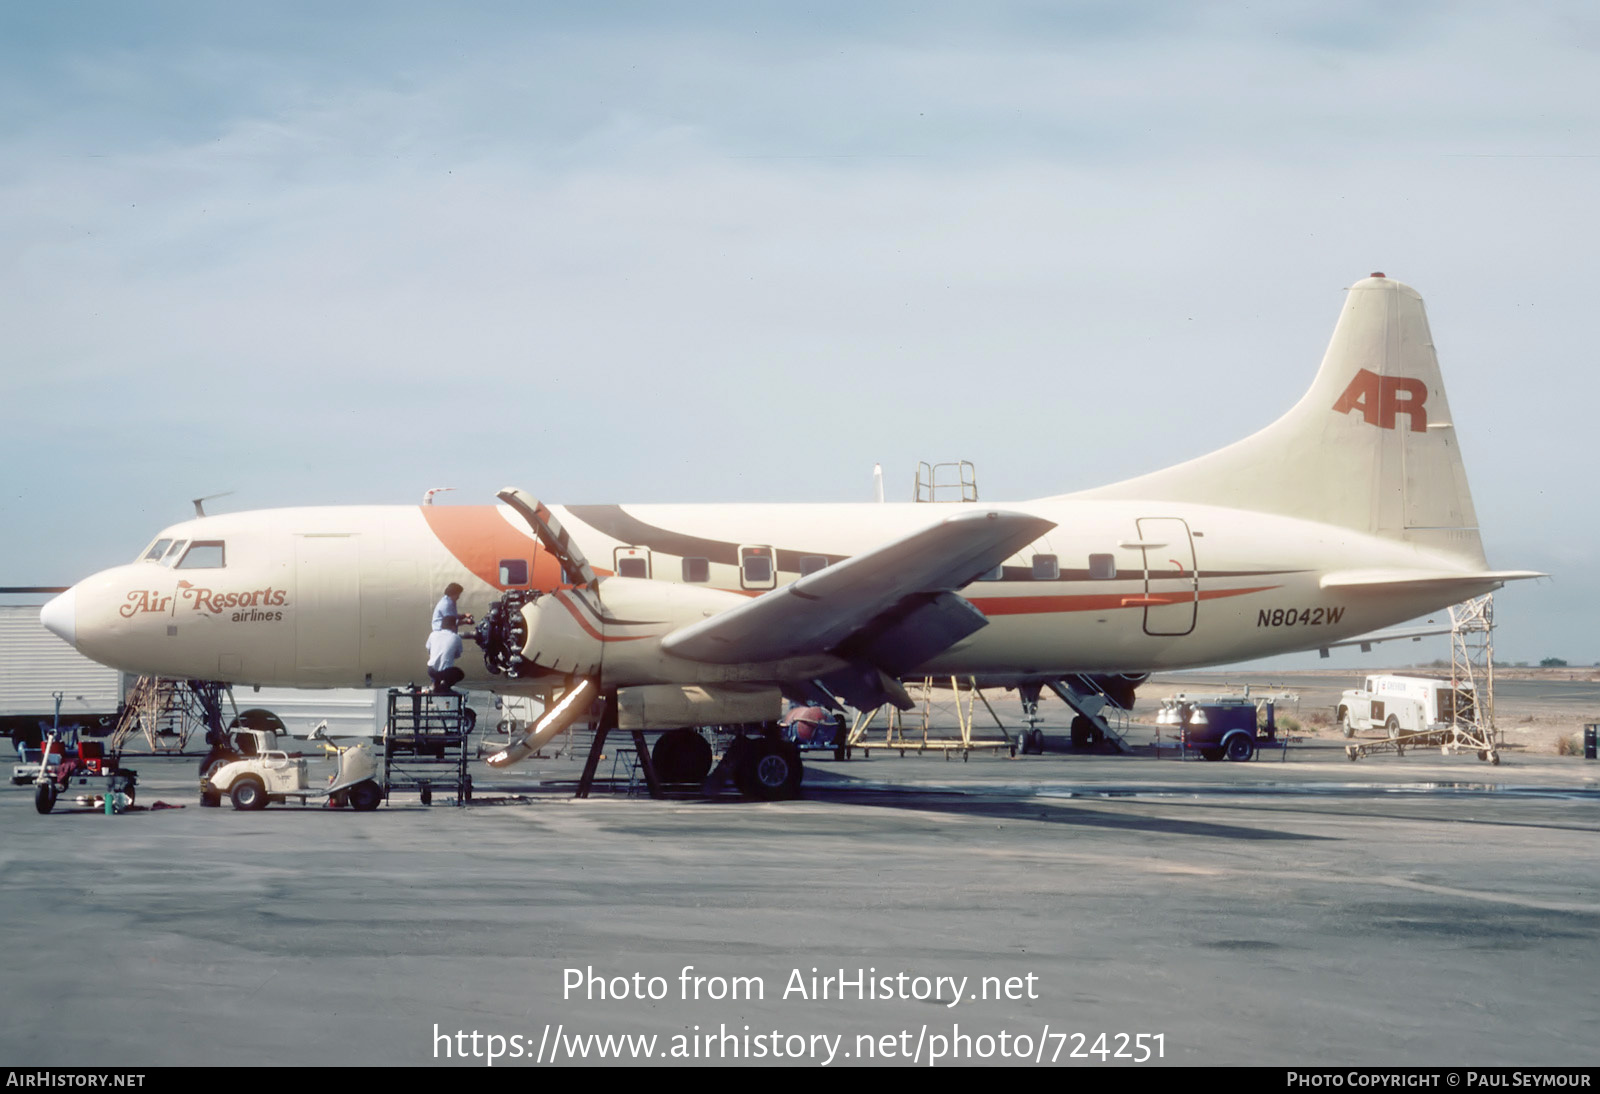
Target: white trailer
348, 712
34, 665
1405, 704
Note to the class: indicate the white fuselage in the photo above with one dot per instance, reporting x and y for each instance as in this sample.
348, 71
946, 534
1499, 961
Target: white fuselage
342, 597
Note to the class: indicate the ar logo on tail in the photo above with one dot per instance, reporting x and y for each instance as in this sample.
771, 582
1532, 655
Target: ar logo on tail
1380, 398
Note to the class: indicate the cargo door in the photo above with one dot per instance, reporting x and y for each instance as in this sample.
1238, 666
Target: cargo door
1171, 580
327, 609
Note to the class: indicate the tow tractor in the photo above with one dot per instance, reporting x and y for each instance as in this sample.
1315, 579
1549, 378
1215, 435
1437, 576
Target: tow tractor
271, 774
107, 783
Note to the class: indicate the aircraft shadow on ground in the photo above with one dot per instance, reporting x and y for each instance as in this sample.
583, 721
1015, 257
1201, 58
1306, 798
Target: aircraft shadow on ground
1051, 812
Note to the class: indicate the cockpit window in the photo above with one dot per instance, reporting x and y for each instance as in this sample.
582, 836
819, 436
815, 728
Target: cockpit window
174, 552
157, 549
203, 554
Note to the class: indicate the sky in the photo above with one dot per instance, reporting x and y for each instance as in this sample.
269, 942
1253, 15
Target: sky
636, 252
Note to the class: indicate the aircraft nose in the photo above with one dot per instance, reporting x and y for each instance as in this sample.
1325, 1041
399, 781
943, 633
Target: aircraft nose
60, 616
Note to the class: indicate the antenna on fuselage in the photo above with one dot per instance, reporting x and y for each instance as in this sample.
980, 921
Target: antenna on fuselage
199, 503
877, 482
427, 498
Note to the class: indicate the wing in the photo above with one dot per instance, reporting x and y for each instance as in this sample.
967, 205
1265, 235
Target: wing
888, 609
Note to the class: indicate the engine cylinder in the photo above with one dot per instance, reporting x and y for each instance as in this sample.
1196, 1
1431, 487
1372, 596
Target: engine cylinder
525, 635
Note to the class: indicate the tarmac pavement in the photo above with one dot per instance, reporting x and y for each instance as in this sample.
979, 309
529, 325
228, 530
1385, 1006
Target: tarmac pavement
1425, 910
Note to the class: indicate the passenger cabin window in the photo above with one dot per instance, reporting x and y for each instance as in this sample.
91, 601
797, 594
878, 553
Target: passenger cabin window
696, 569
1046, 568
513, 572
810, 564
157, 549
203, 554
1102, 567
631, 561
756, 568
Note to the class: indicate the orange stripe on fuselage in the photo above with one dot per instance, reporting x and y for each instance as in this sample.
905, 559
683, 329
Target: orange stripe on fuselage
1046, 605
479, 537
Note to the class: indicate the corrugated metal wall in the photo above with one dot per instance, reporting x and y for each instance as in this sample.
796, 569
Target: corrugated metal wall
34, 663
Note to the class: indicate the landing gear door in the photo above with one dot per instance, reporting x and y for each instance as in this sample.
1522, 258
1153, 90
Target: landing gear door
1171, 580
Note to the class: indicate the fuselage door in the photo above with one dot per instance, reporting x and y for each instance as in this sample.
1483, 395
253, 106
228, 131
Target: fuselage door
327, 608
1171, 580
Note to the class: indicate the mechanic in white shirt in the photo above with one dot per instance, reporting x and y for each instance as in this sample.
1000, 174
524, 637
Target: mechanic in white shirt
444, 646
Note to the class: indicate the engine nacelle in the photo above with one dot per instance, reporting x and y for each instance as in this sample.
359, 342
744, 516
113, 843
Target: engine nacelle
613, 632
669, 706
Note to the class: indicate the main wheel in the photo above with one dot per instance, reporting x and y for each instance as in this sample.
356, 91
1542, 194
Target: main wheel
365, 796
425, 792
44, 797
681, 756
1240, 747
248, 793
769, 771
466, 788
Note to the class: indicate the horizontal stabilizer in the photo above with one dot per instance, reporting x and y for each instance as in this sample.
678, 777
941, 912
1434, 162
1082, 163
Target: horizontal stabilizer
821, 611
1394, 580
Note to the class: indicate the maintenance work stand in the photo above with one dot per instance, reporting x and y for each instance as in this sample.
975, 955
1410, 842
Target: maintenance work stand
425, 744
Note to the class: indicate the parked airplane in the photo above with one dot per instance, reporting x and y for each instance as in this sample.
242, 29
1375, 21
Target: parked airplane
1349, 513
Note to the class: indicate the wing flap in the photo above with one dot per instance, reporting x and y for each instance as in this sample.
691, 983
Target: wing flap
878, 598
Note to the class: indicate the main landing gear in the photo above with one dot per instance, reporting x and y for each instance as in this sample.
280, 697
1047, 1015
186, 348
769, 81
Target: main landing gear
767, 767
759, 762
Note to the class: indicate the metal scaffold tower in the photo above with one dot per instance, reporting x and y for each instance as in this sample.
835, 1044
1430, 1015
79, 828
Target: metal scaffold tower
167, 712
923, 728
946, 482
1472, 667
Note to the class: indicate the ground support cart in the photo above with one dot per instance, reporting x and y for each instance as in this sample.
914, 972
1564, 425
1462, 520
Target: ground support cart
98, 780
269, 774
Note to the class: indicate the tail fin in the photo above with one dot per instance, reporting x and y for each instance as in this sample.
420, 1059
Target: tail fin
1370, 447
